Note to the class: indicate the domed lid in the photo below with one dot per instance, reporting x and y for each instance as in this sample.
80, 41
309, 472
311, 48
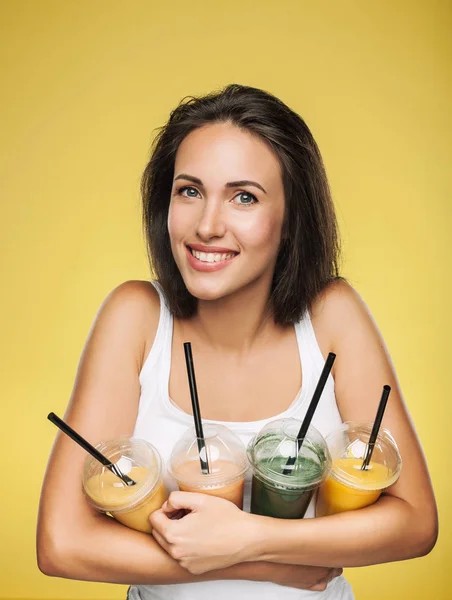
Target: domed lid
225, 454
276, 457
136, 458
348, 446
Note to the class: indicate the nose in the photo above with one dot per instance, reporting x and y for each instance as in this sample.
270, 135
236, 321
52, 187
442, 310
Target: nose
211, 223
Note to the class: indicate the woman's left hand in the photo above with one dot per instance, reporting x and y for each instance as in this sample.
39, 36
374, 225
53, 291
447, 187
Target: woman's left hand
213, 534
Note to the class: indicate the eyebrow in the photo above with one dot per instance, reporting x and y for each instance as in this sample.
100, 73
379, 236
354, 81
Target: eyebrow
230, 184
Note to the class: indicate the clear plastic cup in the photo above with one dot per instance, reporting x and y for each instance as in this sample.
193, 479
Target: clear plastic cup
280, 489
130, 505
349, 487
226, 456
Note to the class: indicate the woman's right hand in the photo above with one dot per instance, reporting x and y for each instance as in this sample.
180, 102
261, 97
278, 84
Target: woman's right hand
300, 576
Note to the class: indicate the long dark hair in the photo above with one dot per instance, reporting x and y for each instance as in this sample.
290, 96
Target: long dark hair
308, 256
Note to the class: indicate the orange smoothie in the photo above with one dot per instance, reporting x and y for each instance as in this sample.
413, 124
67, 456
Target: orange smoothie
349, 488
125, 503
190, 479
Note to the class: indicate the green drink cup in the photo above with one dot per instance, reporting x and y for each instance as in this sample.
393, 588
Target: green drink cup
279, 488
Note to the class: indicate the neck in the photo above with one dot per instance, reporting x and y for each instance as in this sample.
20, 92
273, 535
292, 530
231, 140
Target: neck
237, 322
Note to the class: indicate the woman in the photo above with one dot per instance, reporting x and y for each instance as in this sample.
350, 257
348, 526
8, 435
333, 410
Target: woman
242, 236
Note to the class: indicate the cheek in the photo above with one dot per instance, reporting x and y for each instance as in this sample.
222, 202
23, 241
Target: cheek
171, 222
177, 221
263, 235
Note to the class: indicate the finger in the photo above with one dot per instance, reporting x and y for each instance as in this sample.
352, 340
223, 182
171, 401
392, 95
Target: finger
159, 521
174, 514
178, 514
184, 500
161, 541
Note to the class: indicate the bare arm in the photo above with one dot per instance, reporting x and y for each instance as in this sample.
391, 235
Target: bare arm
402, 524
74, 540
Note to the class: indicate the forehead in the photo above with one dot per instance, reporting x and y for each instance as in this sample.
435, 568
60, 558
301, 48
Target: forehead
223, 151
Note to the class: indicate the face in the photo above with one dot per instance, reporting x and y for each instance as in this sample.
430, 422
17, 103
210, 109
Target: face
226, 211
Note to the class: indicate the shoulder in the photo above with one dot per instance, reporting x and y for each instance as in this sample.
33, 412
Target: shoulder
338, 315
339, 300
132, 310
139, 297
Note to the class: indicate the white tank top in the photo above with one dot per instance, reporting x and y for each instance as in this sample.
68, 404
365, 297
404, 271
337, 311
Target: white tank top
162, 423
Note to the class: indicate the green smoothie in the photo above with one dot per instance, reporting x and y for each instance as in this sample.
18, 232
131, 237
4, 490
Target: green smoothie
278, 490
279, 500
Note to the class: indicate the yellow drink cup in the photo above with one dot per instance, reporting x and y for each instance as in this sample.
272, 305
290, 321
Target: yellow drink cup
348, 487
130, 505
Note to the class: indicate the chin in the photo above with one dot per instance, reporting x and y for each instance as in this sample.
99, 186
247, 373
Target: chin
202, 293
208, 292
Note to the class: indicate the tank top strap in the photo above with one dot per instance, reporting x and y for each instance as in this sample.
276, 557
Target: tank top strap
158, 361
311, 357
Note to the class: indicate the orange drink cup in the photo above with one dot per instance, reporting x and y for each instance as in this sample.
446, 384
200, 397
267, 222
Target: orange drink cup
348, 487
130, 505
226, 459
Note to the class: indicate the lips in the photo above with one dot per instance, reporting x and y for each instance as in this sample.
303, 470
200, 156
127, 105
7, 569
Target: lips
209, 258
219, 249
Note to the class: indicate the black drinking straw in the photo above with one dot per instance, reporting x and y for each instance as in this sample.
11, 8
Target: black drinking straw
376, 426
90, 449
195, 407
310, 412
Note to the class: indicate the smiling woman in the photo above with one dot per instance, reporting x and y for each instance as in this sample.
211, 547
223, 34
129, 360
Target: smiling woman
250, 231
242, 236
244, 143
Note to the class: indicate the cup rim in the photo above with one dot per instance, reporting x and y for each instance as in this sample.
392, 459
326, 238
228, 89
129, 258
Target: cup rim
209, 480
144, 491
345, 479
282, 481
386, 440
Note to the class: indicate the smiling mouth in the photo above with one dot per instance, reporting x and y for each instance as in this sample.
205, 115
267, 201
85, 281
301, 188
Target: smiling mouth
212, 257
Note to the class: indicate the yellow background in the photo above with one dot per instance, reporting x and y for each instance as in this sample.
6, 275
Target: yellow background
84, 83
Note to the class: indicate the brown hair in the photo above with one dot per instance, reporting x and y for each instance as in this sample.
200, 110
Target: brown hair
308, 256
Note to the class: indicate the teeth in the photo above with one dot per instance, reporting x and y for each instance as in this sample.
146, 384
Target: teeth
211, 257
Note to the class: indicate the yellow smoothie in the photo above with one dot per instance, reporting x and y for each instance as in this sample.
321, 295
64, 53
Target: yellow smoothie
349, 488
108, 491
190, 471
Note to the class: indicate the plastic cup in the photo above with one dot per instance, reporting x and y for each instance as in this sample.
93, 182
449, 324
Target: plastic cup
130, 505
226, 456
348, 487
280, 495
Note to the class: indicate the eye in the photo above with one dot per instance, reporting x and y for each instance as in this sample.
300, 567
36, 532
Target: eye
245, 199
188, 192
